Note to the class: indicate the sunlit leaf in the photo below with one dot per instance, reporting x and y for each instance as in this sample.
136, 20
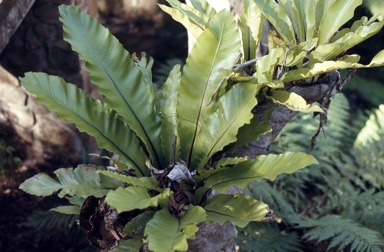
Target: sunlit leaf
308, 16
278, 18
266, 66
328, 66
238, 208
195, 29
337, 14
203, 7
220, 129
263, 167
251, 20
345, 41
293, 101
217, 48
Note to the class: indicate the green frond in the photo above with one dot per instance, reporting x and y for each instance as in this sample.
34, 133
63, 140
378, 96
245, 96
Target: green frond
124, 81
336, 138
342, 233
372, 95
266, 193
373, 130
267, 237
372, 160
366, 208
217, 48
51, 225
89, 115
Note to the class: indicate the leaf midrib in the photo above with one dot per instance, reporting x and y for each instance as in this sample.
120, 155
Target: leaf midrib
116, 87
92, 126
204, 95
230, 125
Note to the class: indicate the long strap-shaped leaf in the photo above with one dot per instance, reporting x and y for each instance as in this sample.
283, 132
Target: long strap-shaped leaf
278, 18
265, 166
218, 47
89, 115
334, 17
251, 20
170, 141
119, 79
220, 129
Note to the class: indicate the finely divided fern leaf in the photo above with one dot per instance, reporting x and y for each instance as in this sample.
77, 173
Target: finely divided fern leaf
264, 237
342, 233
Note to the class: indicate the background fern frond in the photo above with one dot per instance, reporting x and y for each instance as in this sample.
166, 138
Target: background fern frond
366, 208
265, 237
266, 193
373, 129
53, 226
342, 197
342, 233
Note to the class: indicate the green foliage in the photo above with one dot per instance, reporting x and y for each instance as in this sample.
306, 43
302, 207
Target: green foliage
369, 95
160, 74
171, 137
342, 233
176, 230
8, 159
312, 28
83, 181
133, 197
348, 182
376, 7
373, 130
223, 207
126, 93
267, 238
52, 227
265, 167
